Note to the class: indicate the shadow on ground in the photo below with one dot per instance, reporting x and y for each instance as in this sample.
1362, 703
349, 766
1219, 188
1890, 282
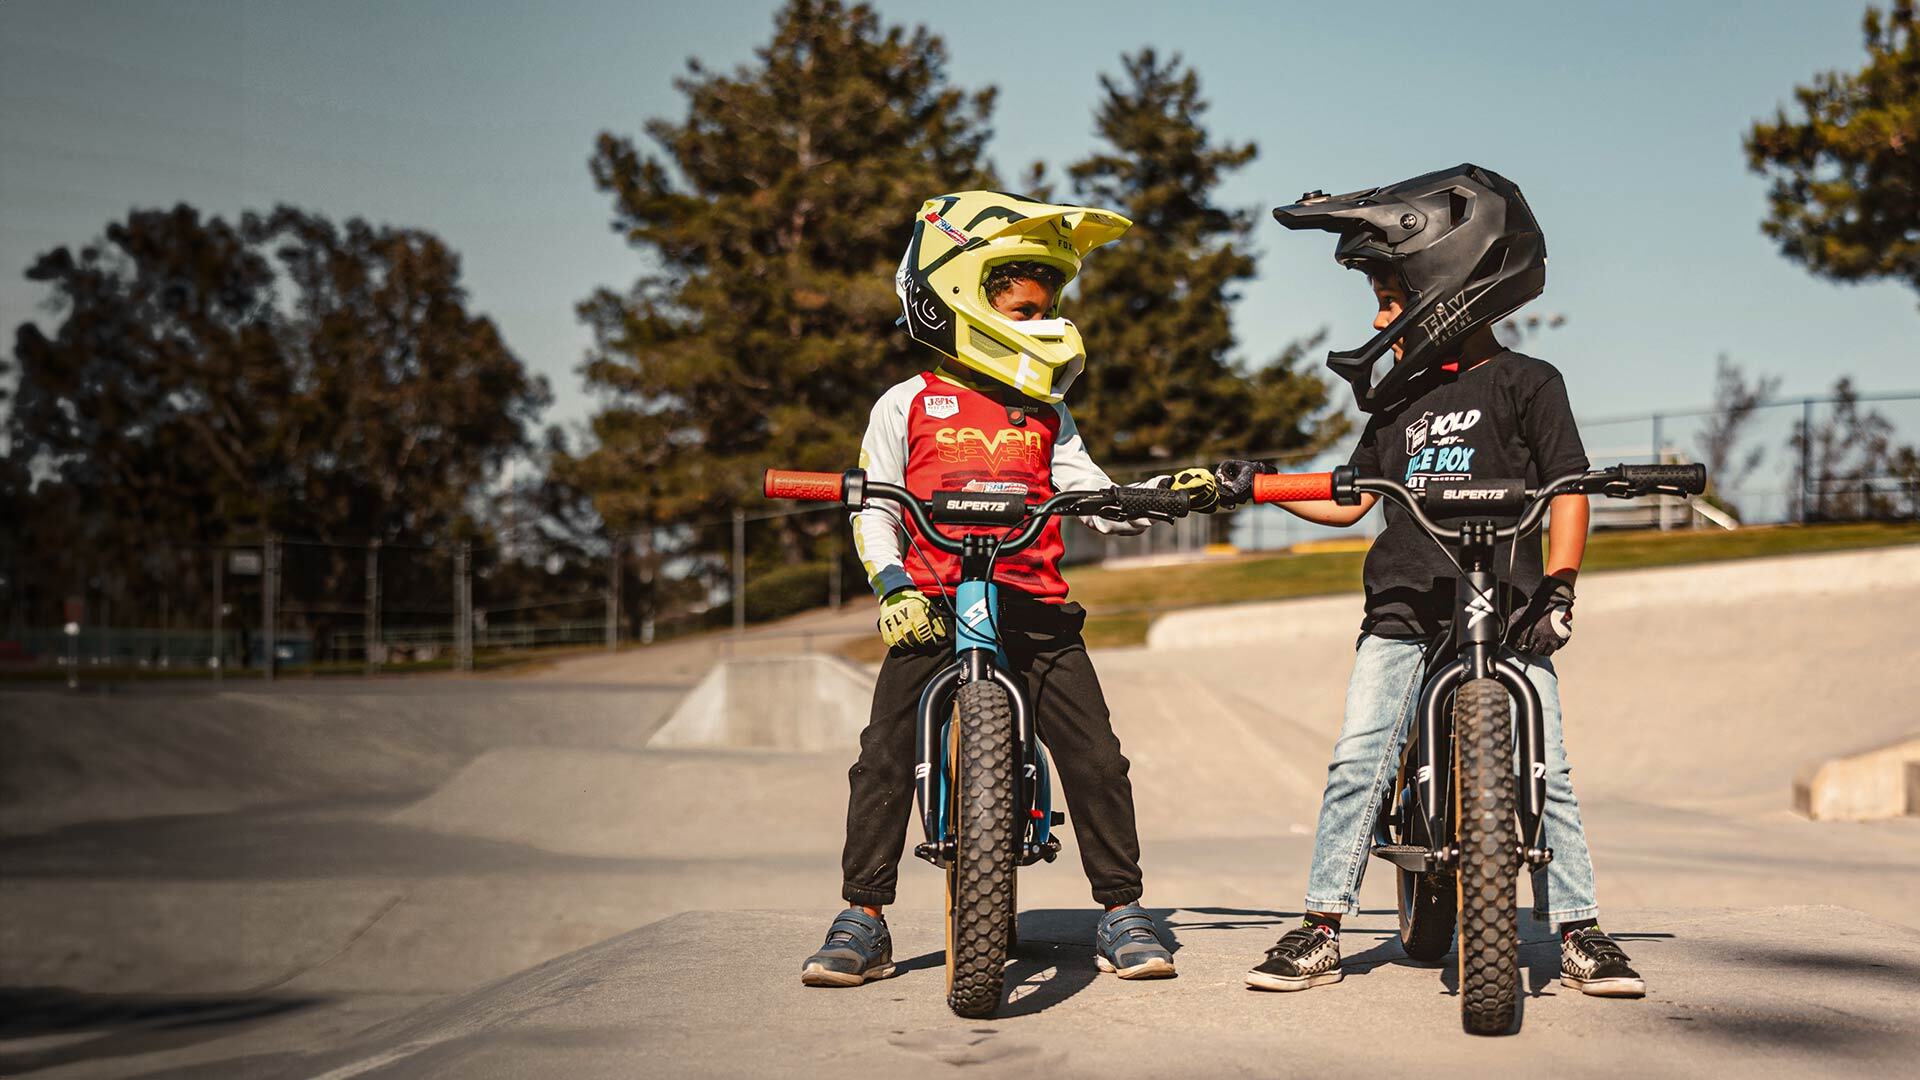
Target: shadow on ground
41, 1027
1055, 958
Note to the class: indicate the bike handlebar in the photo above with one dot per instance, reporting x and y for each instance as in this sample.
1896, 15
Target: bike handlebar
1344, 486
1293, 487
853, 490
1688, 479
806, 486
1138, 502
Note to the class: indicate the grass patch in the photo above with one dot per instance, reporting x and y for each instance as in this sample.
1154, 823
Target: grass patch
1110, 630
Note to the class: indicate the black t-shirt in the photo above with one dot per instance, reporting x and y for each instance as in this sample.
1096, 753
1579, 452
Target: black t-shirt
1507, 418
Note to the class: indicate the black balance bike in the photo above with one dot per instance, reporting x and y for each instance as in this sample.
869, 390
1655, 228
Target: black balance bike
985, 795
1464, 813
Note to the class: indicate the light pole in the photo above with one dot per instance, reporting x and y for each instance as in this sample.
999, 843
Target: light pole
73, 655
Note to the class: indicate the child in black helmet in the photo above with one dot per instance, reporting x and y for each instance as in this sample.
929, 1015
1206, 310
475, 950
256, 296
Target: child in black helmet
1448, 255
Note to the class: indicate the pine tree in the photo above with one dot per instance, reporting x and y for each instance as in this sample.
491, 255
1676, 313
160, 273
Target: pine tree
1846, 176
1162, 383
772, 217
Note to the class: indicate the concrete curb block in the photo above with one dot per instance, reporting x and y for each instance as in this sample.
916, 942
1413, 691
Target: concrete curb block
804, 703
1692, 585
1868, 786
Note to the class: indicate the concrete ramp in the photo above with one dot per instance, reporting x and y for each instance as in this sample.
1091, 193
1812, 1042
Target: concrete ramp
1880, 783
804, 703
1797, 991
1707, 687
611, 804
143, 752
1212, 758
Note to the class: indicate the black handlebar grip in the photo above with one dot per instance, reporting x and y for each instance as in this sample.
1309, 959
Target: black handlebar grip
1691, 479
1133, 502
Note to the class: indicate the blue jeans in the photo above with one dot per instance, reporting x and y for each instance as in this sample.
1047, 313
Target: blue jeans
1381, 697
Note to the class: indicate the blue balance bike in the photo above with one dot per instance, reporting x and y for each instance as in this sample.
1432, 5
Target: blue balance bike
982, 782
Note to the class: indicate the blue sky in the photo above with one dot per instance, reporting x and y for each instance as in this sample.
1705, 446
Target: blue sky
475, 120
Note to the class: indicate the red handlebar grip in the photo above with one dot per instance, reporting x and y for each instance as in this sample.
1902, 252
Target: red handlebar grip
1292, 487
809, 486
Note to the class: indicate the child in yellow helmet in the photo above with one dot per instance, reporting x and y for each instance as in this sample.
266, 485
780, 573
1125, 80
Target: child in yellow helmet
980, 284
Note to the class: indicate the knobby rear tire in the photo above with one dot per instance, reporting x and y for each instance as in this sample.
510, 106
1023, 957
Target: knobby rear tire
980, 883
1489, 857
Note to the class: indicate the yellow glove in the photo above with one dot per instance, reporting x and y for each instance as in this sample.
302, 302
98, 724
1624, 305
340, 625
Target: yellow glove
1203, 491
907, 620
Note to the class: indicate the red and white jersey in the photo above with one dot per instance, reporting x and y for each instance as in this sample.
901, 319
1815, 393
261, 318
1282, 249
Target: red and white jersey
928, 434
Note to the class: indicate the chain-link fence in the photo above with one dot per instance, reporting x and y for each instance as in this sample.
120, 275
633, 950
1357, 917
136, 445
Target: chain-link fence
1848, 468
273, 604
276, 604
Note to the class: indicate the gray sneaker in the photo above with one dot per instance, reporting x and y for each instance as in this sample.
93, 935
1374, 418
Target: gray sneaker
1126, 945
858, 948
1302, 959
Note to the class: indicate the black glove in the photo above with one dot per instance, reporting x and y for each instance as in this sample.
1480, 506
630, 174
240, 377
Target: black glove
1546, 623
1236, 480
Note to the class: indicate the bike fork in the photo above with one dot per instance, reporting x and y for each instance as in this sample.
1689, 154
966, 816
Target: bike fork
979, 659
1481, 632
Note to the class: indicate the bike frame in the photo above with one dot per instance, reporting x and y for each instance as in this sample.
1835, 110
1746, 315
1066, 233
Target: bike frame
1477, 639
978, 655
1479, 654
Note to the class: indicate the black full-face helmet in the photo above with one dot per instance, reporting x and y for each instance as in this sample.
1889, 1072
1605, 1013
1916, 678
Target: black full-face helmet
1466, 248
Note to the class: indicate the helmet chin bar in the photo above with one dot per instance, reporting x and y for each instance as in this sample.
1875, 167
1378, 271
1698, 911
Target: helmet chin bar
1063, 381
1054, 329
1356, 365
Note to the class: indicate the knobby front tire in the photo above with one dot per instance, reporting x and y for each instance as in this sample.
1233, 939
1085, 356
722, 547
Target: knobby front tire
1489, 856
980, 883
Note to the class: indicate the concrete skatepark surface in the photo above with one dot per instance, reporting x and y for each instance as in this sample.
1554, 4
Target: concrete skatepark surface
1718, 1004
299, 881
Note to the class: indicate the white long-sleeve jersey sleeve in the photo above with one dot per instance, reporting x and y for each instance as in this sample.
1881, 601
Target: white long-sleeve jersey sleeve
1074, 470
883, 454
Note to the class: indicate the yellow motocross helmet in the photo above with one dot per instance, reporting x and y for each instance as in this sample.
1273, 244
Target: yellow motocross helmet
957, 238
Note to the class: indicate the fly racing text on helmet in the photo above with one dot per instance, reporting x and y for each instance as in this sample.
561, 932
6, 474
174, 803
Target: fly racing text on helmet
957, 238
1464, 245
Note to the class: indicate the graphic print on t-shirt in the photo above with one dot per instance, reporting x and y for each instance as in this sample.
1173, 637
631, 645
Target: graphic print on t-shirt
1506, 419
1436, 447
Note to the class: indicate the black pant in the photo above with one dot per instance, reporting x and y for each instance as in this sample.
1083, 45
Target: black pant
1043, 644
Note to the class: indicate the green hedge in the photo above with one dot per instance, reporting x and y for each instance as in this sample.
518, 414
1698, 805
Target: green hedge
778, 593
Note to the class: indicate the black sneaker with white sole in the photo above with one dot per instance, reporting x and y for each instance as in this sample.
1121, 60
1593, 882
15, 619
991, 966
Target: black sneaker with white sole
1305, 957
858, 948
1593, 963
